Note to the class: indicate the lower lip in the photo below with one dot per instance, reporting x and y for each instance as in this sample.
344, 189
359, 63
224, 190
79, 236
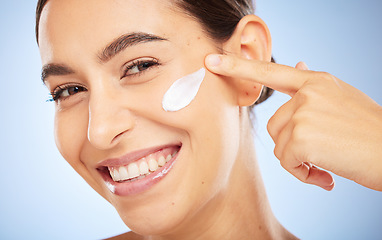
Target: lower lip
141, 185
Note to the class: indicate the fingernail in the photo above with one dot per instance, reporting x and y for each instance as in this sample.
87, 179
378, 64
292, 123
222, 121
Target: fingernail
213, 60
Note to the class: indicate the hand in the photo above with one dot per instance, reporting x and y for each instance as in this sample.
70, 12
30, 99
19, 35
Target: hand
327, 123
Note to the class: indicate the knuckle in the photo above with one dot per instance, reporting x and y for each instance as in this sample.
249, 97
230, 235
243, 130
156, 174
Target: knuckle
287, 166
278, 153
306, 93
270, 126
299, 118
284, 164
302, 95
298, 136
326, 76
316, 87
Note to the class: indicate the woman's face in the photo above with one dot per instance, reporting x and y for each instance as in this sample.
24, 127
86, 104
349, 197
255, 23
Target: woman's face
109, 113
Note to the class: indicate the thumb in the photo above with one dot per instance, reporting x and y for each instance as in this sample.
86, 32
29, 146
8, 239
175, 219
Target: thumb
308, 173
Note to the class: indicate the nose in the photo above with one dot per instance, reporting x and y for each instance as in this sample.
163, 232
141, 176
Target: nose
109, 119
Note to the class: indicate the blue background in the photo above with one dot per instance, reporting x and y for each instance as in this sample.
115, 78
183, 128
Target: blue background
43, 198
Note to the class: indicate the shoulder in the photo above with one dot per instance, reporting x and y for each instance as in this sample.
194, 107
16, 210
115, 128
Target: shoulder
126, 236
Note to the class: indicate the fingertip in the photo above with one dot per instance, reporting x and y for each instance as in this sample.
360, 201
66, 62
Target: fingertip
213, 60
330, 187
327, 181
319, 177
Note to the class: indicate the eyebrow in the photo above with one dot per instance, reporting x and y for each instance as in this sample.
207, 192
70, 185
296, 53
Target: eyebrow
110, 51
53, 69
126, 41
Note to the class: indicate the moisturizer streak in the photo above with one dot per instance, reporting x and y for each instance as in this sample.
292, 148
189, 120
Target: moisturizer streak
183, 91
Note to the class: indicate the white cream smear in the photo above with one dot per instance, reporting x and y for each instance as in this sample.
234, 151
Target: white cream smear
183, 91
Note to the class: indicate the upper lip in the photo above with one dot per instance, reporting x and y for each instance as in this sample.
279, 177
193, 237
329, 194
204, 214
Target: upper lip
132, 156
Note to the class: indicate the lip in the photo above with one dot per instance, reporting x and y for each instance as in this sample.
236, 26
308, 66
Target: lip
135, 187
133, 156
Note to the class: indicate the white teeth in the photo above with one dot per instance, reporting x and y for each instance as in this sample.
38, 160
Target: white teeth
115, 175
123, 174
133, 170
168, 158
140, 168
143, 168
153, 165
161, 161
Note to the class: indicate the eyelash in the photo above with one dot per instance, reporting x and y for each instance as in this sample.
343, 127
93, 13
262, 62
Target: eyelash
56, 94
139, 63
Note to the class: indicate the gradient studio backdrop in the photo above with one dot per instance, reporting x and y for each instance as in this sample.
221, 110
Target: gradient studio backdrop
43, 198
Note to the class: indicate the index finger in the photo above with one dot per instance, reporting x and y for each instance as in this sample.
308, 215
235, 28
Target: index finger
276, 76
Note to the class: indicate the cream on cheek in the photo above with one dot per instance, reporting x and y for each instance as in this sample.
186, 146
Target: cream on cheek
183, 91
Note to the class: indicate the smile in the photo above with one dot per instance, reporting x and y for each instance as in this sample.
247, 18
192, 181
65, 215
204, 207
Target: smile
138, 171
143, 167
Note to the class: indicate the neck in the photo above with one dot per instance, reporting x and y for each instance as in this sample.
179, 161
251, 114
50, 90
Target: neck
240, 211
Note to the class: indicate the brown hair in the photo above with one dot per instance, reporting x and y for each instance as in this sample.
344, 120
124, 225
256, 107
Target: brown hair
219, 19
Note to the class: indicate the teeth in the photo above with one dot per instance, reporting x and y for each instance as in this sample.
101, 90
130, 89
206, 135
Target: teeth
153, 165
174, 153
115, 175
168, 158
143, 168
133, 170
123, 174
161, 161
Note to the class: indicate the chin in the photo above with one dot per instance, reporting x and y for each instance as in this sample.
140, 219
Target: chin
159, 219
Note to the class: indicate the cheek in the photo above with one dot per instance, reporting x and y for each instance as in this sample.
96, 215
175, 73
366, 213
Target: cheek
216, 131
212, 125
71, 137
70, 134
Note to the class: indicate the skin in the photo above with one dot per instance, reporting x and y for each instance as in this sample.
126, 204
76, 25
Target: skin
202, 197
327, 123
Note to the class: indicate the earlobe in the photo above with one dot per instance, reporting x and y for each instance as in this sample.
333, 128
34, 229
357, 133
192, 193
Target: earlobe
251, 40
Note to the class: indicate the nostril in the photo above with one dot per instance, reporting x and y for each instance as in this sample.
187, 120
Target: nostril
116, 138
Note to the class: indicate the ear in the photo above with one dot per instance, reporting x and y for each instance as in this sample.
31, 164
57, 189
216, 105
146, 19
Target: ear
251, 40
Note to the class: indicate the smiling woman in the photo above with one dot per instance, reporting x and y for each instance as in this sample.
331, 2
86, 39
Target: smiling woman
108, 76
180, 174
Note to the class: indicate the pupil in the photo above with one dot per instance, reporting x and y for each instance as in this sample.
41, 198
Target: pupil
144, 66
73, 90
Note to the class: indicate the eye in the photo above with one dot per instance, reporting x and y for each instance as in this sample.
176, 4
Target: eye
139, 66
65, 91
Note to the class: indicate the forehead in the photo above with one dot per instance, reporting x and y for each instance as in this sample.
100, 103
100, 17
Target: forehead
86, 25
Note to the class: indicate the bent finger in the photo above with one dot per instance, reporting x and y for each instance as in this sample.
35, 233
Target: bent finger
305, 171
310, 174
